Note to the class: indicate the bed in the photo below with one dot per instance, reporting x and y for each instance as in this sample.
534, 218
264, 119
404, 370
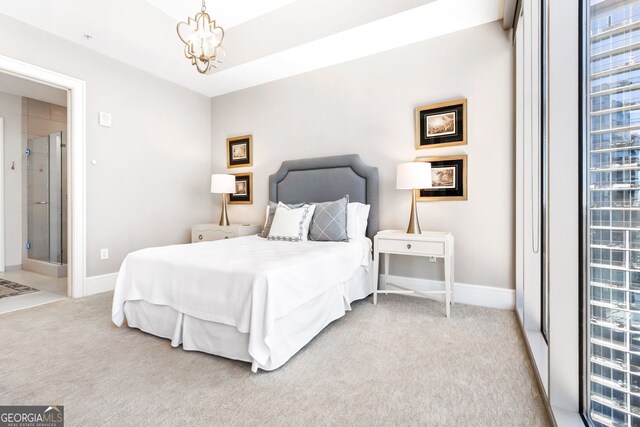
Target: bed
249, 298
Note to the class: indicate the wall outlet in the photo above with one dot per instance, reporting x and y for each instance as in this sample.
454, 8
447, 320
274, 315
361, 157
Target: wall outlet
432, 259
104, 254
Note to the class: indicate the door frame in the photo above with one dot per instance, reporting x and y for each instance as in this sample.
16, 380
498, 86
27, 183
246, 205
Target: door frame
76, 170
2, 233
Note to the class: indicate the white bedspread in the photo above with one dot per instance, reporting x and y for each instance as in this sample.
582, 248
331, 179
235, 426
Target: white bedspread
246, 282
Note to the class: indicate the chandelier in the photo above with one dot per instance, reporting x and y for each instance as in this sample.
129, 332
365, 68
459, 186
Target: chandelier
202, 39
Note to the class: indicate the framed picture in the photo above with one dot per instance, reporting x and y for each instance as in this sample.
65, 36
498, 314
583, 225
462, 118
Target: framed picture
244, 190
240, 151
441, 125
448, 179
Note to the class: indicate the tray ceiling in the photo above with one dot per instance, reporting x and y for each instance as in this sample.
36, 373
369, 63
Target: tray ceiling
265, 40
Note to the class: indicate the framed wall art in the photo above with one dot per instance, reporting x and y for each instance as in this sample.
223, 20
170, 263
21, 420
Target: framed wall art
448, 178
441, 125
244, 190
240, 151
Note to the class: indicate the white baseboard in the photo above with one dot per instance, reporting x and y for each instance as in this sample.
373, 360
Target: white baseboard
464, 293
97, 284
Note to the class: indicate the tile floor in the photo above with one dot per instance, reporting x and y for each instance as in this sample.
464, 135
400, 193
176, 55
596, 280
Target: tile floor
52, 289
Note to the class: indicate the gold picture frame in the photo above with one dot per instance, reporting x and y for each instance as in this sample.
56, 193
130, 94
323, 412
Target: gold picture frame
243, 195
449, 174
441, 125
240, 152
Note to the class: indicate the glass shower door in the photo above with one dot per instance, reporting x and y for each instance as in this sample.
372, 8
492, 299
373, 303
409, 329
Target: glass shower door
44, 198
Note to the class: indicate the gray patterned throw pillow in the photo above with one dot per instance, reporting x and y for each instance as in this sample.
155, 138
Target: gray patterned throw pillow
272, 211
329, 223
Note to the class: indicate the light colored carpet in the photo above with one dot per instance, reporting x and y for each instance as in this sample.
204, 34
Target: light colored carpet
398, 363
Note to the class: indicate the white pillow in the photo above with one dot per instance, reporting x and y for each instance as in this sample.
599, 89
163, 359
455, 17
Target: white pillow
357, 219
291, 224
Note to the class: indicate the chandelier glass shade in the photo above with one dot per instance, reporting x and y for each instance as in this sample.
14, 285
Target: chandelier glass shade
202, 39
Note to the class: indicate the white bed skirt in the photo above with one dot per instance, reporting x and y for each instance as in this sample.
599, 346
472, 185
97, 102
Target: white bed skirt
291, 332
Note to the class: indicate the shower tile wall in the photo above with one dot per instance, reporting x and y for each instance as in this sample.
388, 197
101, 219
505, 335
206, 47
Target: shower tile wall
41, 119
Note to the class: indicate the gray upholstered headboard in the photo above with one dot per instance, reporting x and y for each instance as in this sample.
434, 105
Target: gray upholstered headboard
324, 179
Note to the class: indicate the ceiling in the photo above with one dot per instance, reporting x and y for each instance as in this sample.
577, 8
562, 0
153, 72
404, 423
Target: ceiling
24, 87
265, 40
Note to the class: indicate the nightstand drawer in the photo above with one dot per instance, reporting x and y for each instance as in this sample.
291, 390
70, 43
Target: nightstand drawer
411, 247
207, 235
210, 232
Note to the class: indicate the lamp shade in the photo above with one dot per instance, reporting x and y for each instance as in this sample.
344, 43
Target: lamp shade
413, 175
223, 183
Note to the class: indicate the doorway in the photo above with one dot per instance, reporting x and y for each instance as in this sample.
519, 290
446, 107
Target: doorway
34, 191
73, 234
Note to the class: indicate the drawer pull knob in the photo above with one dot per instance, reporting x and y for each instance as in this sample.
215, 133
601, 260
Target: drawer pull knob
408, 245
199, 236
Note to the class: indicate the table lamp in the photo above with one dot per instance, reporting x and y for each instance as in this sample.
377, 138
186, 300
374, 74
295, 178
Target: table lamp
413, 176
223, 184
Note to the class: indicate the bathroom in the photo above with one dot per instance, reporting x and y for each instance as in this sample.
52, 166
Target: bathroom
33, 120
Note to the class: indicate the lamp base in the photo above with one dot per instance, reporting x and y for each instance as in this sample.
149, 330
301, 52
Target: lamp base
414, 224
224, 219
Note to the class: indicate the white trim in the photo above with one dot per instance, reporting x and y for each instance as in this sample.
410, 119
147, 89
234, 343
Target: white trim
2, 230
464, 293
535, 353
76, 174
564, 205
485, 296
538, 350
567, 418
97, 284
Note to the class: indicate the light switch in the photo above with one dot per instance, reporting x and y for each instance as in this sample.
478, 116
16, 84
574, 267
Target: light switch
104, 119
94, 162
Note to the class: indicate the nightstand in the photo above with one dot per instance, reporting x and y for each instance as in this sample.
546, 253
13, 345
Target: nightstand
429, 244
210, 232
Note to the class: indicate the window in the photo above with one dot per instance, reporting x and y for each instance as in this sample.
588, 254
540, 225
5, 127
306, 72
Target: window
612, 325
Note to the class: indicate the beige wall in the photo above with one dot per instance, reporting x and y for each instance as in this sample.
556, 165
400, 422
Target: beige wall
366, 107
152, 174
42, 118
